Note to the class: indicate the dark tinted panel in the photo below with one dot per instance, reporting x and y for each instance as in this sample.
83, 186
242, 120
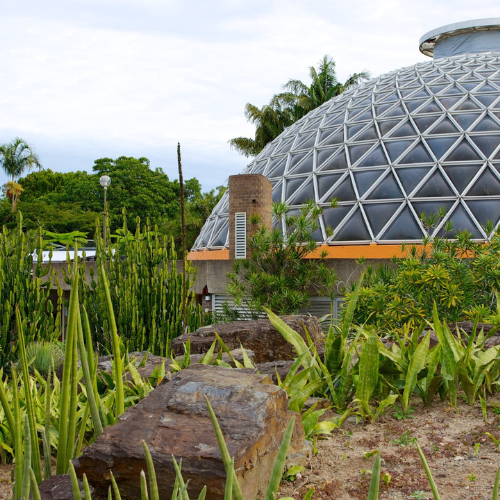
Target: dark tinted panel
460, 222
461, 175
365, 179
434, 187
485, 210
325, 182
354, 230
486, 185
387, 189
404, 227
411, 177
379, 213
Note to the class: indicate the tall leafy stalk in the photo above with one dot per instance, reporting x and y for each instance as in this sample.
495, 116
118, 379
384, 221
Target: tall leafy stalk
115, 342
183, 235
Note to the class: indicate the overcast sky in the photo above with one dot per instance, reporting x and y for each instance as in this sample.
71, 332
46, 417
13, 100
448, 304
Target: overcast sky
86, 79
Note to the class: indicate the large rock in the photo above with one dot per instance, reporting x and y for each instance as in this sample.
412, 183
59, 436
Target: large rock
259, 335
59, 488
174, 420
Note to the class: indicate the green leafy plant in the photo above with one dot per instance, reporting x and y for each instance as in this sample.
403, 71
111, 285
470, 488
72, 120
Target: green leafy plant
406, 439
42, 355
278, 273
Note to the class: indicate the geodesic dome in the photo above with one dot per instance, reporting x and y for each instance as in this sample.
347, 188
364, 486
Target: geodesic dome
409, 142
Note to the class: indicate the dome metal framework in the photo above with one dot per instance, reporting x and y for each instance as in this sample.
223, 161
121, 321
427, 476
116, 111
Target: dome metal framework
410, 142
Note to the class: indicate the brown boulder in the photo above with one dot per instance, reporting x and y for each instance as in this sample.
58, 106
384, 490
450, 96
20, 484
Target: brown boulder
173, 420
258, 335
58, 488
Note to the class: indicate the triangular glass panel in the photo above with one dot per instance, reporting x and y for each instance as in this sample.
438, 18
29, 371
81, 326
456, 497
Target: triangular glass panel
368, 134
334, 216
357, 151
487, 88
285, 145
329, 161
259, 166
465, 120
468, 86
312, 124
362, 101
404, 227
444, 127
354, 230
295, 159
441, 81
365, 179
463, 152
305, 141
449, 102
413, 105
344, 191
325, 182
440, 145
292, 185
461, 221
277, 190
487, 185
424, 122
435, 89
324, 134
382, 109
430, 208
417, 155
408, 92
396, 111
335, 119
485, 210
352, 113
387, 189
375, 158
305, 194
221, 238
487, 124
405, 130
397, 148
461, 175
434, 187
431, 107
411, 177
421, 94
367, 115
386, 126
382, 96
335, 138
352, 130
486, 143
276, 167
378, 214
453, 90
304, 167
467, 105
487, 99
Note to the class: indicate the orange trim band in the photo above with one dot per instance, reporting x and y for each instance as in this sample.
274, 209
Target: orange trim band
373, 251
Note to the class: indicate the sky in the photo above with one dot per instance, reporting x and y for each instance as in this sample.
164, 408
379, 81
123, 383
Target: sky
87, 79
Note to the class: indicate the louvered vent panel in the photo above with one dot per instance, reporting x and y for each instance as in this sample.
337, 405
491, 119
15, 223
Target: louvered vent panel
240, 235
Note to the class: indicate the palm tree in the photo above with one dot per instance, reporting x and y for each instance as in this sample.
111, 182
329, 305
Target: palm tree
270, 121
15, 158
324, 86
288, 107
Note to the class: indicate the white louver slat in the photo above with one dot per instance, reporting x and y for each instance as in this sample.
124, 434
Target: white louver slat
240, 235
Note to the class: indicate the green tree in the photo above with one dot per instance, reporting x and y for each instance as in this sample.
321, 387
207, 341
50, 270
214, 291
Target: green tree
280, 273
65, 202
15, 158
323, 87
286, 108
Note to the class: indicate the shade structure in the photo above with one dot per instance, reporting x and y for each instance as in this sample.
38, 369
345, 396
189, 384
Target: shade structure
415, 141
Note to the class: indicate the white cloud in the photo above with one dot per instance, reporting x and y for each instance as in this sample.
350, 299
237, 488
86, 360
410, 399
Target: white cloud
81, 79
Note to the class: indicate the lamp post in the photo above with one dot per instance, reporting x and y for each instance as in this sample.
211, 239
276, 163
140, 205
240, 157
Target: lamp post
105, 181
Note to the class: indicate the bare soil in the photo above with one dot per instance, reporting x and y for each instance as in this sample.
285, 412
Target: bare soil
340, 470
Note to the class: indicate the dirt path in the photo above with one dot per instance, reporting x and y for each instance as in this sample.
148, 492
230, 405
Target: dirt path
448, 440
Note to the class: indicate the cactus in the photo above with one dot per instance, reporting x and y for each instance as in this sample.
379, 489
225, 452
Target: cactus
145, 290
25, 283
